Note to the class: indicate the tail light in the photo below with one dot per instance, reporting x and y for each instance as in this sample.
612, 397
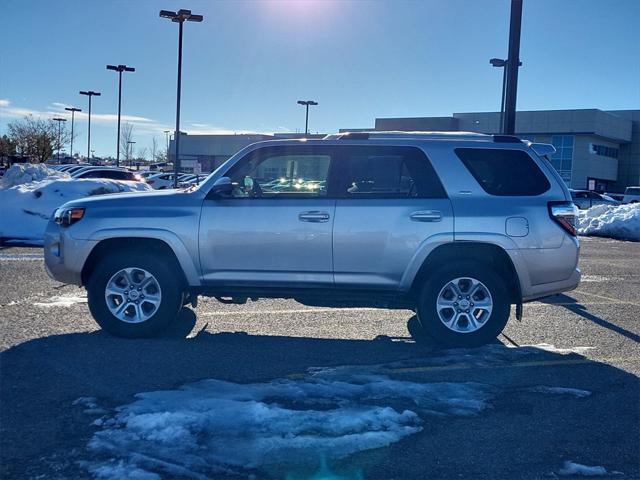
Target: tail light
564, 214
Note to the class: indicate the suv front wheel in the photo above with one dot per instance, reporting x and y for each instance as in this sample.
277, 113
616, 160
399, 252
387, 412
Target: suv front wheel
465, 304
134, 294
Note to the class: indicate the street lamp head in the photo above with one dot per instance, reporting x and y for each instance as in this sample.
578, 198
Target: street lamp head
498, 62
167, 14
307, 102
90, 93
73, 109
120, 68
58, 119
195, 18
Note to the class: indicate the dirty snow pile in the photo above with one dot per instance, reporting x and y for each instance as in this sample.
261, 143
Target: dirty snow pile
215, 428
29, 195
615, 221
21, 173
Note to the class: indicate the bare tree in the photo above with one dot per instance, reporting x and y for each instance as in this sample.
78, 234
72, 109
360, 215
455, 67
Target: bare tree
37, 138
126, 137
142, 153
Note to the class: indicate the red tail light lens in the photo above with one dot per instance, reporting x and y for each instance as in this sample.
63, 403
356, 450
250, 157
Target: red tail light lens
564, 214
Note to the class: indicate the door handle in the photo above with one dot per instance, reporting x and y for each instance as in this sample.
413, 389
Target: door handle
314, 216
426, 216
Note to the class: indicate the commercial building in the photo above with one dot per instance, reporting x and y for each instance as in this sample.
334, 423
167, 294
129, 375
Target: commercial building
596, 149
208, 152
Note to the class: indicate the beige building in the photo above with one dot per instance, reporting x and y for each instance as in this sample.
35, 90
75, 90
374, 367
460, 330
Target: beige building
595, 149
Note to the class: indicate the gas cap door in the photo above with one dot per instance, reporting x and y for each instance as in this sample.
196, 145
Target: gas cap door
517, 227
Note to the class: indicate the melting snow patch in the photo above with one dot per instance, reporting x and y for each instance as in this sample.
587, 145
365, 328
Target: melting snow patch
62, 301
576, 392
570, 468
615, 221
564, 351
215, 425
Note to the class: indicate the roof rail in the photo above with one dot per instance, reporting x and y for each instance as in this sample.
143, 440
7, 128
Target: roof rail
409, 135
506, 139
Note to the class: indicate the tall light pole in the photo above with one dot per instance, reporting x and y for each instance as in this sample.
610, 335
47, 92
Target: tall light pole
166, 137
59, 120
498, 62
179, 18
73, 111
90, 94
513, 63
306, 103
130, 142
119, 69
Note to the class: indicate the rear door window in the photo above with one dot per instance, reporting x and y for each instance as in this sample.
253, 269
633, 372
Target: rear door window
387, 172
504, 172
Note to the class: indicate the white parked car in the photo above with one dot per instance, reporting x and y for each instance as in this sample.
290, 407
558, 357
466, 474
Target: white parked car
161, 181
109, 173
631, 195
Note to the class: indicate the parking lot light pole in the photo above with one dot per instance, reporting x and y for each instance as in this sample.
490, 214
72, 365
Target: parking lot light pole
90, 94
119, 69
73, 111
513, 64
180, 17
59, 120
498, 62
129, 143
306, 103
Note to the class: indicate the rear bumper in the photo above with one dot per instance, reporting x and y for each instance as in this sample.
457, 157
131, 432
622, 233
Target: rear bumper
545, 289
65, 256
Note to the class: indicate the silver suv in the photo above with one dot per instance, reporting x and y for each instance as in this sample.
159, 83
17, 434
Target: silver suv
457, 227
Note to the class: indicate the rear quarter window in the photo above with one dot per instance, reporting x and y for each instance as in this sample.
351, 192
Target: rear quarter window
504, 172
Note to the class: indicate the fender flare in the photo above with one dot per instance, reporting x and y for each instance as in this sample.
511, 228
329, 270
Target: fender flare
185, 260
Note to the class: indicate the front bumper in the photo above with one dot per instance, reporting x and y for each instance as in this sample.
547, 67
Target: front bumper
64, 256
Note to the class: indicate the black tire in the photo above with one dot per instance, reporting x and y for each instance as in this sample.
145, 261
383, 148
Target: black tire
492, 326
164, 272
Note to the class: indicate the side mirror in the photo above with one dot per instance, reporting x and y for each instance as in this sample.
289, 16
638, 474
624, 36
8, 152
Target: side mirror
221, 187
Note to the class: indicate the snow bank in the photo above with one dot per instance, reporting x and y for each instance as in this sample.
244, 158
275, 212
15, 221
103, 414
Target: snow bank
212, 428
615, 221
571, 468
21, 173
27, 207
215, 426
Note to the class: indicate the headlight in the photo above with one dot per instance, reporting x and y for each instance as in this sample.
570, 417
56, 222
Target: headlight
68, 216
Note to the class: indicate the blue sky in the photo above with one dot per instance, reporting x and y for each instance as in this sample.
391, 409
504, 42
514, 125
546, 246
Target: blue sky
249, 61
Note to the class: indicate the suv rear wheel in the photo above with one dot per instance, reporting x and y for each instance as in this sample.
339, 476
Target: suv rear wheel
134, 294
465, 304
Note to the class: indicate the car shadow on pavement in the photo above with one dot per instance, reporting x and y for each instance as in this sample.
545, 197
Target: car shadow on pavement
43, 433
576, 307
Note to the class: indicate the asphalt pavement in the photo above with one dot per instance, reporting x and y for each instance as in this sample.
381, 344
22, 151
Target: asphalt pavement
52, 354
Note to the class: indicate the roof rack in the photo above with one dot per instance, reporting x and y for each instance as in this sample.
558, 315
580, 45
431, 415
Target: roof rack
469, 136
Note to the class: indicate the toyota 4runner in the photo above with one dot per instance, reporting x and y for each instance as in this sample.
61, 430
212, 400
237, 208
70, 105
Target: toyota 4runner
456, 226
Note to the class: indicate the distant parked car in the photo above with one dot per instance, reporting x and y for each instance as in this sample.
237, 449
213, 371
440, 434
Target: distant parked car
108, 173
585, 199
631, 195
161, 181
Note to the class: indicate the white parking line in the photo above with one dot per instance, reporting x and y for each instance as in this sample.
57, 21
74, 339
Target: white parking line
21, 256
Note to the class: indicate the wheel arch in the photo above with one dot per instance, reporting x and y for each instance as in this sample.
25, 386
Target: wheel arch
141, 243
485, 252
